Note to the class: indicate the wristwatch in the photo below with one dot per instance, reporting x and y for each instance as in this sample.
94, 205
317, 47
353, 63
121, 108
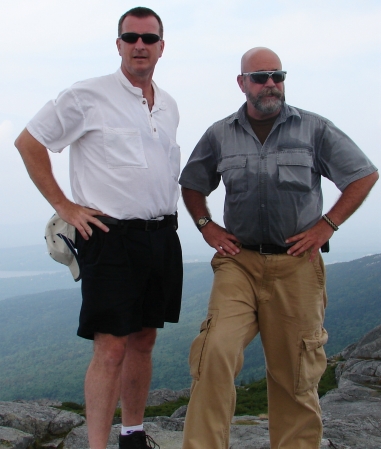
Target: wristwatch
202, 221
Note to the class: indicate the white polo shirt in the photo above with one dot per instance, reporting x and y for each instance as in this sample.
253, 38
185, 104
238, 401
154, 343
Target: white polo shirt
124, 159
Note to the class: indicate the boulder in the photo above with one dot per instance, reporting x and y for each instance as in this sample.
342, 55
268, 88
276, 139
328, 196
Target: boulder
38, 420
158, 397
13, 438
352, 412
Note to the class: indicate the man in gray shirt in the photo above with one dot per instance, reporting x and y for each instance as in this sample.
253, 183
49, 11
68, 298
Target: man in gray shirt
269, 276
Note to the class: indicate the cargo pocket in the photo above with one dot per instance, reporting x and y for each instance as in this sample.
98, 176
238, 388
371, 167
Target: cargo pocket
319, 270
199, 345
312, 361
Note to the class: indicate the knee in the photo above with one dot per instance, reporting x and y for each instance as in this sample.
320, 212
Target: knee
109, 350
142, 341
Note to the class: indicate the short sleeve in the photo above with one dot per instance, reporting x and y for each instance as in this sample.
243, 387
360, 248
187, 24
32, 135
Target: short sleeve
200, 172
59, 123
340, 159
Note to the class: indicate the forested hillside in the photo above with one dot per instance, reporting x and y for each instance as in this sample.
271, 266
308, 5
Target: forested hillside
41, 356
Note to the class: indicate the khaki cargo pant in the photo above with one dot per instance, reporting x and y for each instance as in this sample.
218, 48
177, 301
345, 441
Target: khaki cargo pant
282, 297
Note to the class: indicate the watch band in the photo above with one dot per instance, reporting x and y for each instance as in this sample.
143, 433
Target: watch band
202, 221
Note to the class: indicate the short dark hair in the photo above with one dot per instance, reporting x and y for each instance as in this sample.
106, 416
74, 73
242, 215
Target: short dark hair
141, 12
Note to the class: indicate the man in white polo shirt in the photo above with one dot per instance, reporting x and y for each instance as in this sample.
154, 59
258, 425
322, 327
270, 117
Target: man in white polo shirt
124, 166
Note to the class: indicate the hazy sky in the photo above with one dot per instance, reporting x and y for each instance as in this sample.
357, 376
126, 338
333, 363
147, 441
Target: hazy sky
330, 49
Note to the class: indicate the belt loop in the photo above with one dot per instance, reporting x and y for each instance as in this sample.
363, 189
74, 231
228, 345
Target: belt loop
261, 251
122, 226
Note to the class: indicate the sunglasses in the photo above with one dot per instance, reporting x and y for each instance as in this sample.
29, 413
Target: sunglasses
147, 38
261, 77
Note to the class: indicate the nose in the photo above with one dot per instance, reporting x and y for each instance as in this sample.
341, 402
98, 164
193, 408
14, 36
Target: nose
269, 82
139, 43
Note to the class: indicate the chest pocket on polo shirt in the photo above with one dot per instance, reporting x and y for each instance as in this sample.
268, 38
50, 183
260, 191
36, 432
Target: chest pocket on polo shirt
234, 173
294, 169
123, 148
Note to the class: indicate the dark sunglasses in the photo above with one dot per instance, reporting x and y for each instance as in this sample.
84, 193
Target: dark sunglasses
147, 38
261, 77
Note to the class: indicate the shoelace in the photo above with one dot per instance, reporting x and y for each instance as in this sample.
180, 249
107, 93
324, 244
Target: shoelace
150, 442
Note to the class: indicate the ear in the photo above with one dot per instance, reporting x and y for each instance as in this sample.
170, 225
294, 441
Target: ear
241, 83
118, 44
162, 45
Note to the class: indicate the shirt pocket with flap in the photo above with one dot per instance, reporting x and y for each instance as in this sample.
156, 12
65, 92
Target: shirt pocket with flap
234, 173
123, 148
295, 169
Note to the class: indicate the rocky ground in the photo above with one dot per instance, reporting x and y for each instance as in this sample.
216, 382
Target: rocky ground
351, 413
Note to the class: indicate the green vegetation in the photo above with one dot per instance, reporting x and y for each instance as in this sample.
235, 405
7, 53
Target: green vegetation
251, 399
166, 409
41, 356
73, 407
328, 380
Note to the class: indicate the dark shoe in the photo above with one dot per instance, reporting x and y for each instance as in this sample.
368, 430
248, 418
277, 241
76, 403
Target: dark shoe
137, 440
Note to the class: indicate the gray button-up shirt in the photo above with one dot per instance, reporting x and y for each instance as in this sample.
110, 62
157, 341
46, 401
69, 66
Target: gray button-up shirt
273, 191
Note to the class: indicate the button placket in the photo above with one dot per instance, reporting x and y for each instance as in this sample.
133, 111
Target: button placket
151, 119
263, 192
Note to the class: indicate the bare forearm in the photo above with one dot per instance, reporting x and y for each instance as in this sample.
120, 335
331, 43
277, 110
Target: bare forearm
195, 203
352, 198
216, 236
37, 163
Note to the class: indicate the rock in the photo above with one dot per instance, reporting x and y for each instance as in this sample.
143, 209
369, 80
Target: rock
352, 412
39, 421
180, 412
167, 439
77, 438
362, 363
173, 424
15, 439
158, 397
53, 444
368, 347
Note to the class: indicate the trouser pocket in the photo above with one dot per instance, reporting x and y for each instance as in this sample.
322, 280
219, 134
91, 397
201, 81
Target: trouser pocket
312, 360
199, 346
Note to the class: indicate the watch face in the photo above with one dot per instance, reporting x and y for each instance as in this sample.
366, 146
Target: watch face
202, 221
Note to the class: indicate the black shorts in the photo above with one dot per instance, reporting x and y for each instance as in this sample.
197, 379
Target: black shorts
130, 279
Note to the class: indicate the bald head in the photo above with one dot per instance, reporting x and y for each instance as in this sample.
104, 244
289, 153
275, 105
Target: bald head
260, 58
264, 99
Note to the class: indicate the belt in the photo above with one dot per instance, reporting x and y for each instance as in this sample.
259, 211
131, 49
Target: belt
267, 248
142, 225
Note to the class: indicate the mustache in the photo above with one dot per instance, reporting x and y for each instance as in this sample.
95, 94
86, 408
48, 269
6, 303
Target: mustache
270, 91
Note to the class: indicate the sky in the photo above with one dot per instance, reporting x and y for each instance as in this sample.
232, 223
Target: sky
330, 49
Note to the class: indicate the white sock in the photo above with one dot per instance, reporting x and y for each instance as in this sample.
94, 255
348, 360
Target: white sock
127, 430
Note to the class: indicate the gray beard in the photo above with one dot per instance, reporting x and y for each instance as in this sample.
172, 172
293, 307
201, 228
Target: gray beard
268, 105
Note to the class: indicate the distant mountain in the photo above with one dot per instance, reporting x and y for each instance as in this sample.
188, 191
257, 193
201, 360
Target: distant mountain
25, 285
28, 258
40, 355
